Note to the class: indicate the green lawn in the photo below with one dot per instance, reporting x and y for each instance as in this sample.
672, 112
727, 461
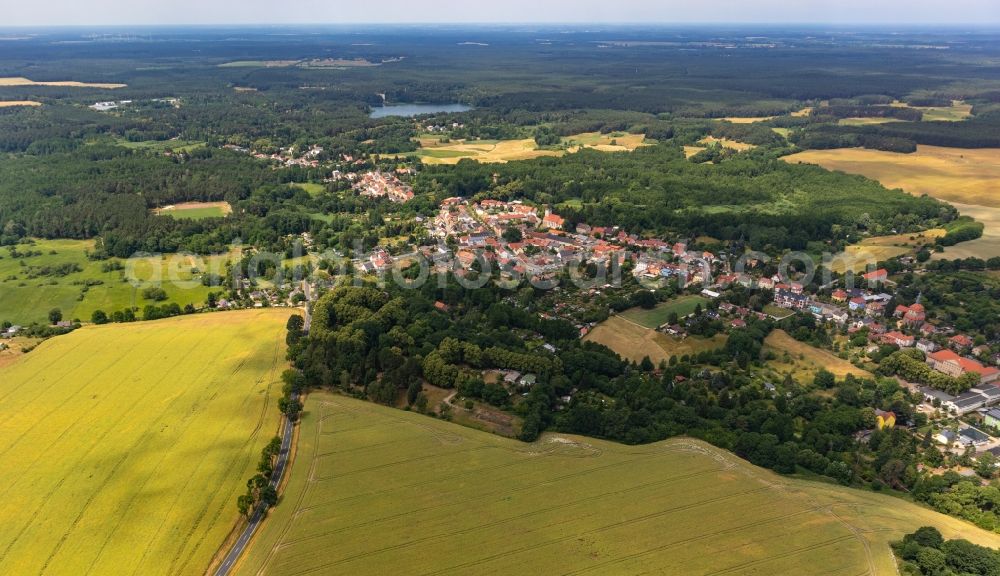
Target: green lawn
658, 316
27, 293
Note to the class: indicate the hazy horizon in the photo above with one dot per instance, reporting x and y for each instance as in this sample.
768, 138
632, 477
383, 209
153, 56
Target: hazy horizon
978, 13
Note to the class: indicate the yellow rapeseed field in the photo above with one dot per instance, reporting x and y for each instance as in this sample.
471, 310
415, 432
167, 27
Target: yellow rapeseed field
375, 491
124, 447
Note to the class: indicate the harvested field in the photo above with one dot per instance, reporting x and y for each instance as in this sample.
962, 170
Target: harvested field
952, 174
17, 81
15, 103
433, 151
748, 119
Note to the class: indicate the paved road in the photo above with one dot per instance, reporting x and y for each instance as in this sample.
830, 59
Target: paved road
307, 290
259, 514
288, 428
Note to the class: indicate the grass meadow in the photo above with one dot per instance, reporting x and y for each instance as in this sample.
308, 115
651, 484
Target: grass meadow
125, 446
196, 210
880, 248
375, 490
803, 361
633, 341
682, 306
27, 294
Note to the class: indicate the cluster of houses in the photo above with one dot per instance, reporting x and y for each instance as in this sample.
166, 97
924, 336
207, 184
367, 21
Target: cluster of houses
383, 185
546, 243
109, 106
443, 128
286, 157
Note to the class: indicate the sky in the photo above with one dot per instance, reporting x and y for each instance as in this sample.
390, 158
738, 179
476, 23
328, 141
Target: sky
165, 12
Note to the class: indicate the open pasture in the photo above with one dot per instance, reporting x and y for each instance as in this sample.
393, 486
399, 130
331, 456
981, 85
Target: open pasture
18, 81
16, 103
196, 210
804, 361
125, 446
29, 291
380, 491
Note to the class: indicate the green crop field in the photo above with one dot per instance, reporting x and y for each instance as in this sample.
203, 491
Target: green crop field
379, 491
125, 446
657, 317
29, 290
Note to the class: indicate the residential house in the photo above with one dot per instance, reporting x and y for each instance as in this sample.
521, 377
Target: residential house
946, 437
898, 339
880, 275
911, 315
927, 346
960, 342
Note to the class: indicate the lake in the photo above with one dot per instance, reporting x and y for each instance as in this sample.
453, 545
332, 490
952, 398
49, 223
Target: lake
411, 110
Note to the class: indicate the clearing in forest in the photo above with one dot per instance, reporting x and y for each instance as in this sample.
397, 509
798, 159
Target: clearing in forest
374, 490
434, 151
196, 210
125, 446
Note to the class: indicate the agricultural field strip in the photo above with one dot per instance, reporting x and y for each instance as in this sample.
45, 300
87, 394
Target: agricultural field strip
480, 495
476, 528
844, 555
693, 539
188, 420
96, 444
245, 458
